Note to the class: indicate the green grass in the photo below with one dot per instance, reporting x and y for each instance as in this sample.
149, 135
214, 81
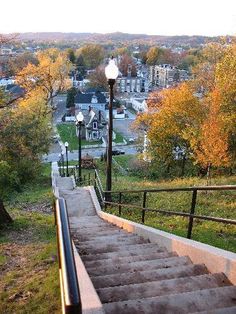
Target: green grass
119, 138
124, 160
213, 203
67, 132
29, 280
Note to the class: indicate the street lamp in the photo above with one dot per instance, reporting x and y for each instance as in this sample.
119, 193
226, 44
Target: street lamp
79, 120
62, 160
66, 146
111, 72
59, 164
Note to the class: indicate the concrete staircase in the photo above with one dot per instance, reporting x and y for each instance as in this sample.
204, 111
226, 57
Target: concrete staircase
132, 275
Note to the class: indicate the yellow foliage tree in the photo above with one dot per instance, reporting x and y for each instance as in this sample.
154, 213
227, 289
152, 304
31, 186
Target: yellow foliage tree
213, 140
49, 76
174, 117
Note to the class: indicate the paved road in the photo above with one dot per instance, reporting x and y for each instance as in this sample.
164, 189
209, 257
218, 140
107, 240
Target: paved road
95, 152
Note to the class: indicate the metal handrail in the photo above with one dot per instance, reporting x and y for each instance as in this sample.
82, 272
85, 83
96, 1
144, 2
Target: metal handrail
191, 215
199, 188
70, 295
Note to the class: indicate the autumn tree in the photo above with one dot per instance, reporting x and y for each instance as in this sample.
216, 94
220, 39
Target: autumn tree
204, 70
127, 64
120, 51
92, 55
49, 76
213, 142
225, 79
28, 126
19, 62
156, 55
25, 134
173, 119
98, 78
71, 55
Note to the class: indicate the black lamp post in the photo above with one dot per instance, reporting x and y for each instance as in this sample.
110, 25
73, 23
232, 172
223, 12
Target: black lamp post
59, 164
67, 170
79, 120
62, 160
111, 72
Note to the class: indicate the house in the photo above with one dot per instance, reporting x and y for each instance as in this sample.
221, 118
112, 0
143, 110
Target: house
4, 81
15, 91
95, 100
139, 104
94, 125
129, 84
166, 75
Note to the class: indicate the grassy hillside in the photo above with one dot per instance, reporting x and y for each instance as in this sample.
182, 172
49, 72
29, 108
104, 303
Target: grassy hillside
29, 281
212, 203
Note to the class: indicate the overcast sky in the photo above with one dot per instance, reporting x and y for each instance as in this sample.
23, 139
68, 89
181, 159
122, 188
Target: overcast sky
165, 17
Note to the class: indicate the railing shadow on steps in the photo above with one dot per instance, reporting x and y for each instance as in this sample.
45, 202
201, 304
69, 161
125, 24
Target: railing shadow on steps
191, 215
70, 295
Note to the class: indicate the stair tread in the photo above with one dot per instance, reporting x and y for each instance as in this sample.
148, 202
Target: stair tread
182, 303
164, 287
111, 238
141, 265
108, 247
225, 310
140, 249
128, 259
148, 275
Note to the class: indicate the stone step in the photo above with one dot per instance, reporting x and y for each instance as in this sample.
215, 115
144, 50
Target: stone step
94, 248
95, 230
114, 238
92, 235
182, 303
128, 259
225, 310
141, 249
139, 266
95, 218
148, 275
90, 225
160, 288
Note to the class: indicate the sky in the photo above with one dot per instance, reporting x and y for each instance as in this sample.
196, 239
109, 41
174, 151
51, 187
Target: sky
153, 17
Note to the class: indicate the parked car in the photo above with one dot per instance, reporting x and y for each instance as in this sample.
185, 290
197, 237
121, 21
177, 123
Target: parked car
117, 152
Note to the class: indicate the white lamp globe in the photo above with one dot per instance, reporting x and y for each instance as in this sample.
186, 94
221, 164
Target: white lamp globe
111, 70
66, 144
80, 117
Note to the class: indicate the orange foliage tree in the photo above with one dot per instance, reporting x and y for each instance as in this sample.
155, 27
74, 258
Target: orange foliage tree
213, 140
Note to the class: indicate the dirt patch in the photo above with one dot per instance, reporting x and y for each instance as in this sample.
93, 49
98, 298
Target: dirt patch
44, 207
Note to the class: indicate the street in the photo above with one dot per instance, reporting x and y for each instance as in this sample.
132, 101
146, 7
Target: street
94, 152
122, 126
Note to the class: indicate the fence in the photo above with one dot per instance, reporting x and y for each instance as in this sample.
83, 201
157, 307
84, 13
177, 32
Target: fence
144, 209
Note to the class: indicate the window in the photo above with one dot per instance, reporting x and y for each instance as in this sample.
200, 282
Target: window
95, 135
95, 125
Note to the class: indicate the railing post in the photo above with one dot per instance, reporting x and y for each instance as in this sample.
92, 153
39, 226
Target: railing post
192, 210
95, 179
105, 204
144, 205
89, 178
120, 196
